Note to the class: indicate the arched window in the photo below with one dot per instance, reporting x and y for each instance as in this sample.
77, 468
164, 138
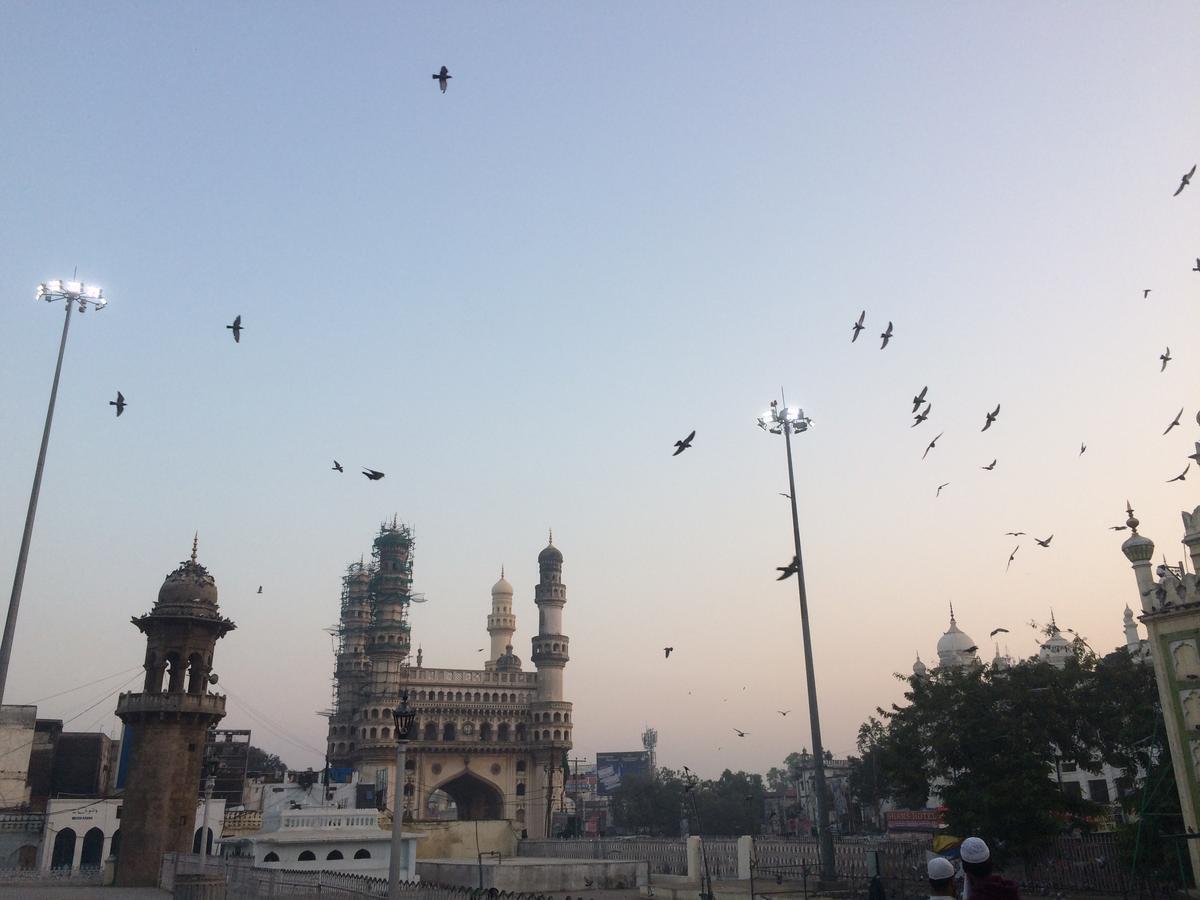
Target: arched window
93, 846
335, 854
306, 856
458, 695
502, 732
477, 696
448, 731
410, 765
430, 731
375, 714
175, 676
64, 849
114, 847
557, 734
371, 734
271, 857
385, 732
196, 842
362, 854
520, 734
520, 789
520, 765
566, 735
566, 717
154, 673
441, 695
408, 790
558, 717
195, 674
485, 731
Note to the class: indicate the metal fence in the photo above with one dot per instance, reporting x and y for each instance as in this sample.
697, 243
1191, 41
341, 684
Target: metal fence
90, 875
666, 856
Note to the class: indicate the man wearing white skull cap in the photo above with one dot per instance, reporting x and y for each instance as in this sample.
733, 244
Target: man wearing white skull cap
941, 879
981, 884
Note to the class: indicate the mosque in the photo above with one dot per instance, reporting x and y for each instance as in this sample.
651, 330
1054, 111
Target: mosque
488, 743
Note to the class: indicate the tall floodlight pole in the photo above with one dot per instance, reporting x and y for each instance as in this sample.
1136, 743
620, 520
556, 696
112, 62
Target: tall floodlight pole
72, 293
786, 420
404, 717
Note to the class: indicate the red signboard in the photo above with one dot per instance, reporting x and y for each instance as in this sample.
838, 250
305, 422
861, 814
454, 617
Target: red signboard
914, 820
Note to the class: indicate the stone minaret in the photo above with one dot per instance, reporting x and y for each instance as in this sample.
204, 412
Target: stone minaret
501, 623
1171, 614
166, 724
551, 713
352, 668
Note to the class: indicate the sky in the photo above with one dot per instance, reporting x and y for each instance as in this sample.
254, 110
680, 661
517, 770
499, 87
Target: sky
620, 223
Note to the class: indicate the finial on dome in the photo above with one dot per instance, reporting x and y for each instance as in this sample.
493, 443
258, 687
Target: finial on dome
1053, 624
1132, 521
195, 544
952, 612
551, 537
502, 570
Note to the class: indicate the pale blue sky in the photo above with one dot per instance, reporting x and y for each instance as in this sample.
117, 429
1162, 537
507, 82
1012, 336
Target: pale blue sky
622, 222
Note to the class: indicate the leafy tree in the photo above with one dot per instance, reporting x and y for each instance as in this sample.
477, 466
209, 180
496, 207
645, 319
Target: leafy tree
649, 804
262, 762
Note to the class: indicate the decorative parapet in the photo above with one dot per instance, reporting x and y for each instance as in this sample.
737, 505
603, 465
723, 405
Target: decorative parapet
241, 822
145, 705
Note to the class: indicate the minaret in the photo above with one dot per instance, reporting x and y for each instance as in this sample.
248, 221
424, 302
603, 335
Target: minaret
1133, 640
166, 725
501, 623
551, 713
352, 667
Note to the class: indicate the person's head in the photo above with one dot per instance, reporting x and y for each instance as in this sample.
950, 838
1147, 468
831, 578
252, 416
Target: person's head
976, 857
941, 877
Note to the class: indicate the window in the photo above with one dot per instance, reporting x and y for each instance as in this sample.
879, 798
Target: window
271, 857
1098, 790
335, 854
362, 854
520, 789
306, 856
520, 765
1068, 766
1073, 789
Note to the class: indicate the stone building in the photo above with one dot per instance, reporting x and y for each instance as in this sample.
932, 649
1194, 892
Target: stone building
1171, 613
166, 724
488, 743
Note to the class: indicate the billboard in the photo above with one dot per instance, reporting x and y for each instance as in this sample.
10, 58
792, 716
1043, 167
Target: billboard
612, 767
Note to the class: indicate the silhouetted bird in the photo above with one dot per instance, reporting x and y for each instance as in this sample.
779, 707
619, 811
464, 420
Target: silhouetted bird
989, 466
1011, 555
1181, 476
667, 652
932, 444
971, 649
1176, 421
441, 78
119, 403
991, 417
1082, 449
1015, 533
372, 474
920, 398
260, 588
1166, 358
939, 490
741, 733
337, 466
996, 631
858, 326
789, 570
1196, 455
1196, 267
1184, 181
788, 496
1117, 527
921, 416
236, 328
686, 443
783, 712
1146, 292
887, 336
1045, 543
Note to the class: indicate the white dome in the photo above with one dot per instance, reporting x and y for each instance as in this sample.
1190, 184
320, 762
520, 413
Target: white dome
502, 587
955, 647
1056, 649
919, 668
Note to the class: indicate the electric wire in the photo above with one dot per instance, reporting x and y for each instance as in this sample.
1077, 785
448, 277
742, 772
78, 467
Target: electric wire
81, 686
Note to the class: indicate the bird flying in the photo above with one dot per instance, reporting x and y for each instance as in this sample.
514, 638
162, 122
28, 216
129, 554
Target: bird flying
442, 77
939, 490
789, 570
1196, 267
1146, 292
1045, 543
783, 712
858, 326
260, 588
680, 446
991, 417
337, 466
667, 652
236, 328
971, 649
119, 403
372, 474
1196, 455
1184, 181
1015, 533
920, 398
996, 631
1117, 527
1181, 476
887, 336
1176, 420
1010, 559
989, 466
1082, 449
921, 416
782, 494
741, 733
932, 444
1166, 358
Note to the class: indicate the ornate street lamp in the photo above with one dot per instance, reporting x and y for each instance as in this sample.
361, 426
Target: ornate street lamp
74, 293
404, 717
787, 420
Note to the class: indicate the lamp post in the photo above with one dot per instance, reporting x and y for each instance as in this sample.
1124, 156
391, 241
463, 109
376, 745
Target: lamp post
787, 420
405, 717
72, 293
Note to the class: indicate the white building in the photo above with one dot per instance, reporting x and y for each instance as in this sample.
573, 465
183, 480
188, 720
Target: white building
328, 839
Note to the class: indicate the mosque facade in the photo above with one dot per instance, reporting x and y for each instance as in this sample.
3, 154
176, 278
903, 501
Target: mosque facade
491, 740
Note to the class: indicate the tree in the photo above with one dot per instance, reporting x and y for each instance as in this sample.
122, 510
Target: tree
261, 762
649, 804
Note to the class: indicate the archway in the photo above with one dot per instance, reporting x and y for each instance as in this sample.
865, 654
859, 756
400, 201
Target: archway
64, 849
93, 847
475, 798
208, 842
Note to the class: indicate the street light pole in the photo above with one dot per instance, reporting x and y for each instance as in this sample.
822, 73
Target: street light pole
404, 717
785, 420
72, 292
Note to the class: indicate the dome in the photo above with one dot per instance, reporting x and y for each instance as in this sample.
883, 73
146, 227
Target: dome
502, 588
955, 647
509, 662
188, 585
550, 555
919, 668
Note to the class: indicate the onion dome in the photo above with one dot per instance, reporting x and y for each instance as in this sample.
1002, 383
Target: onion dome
502, 588
955, 647
187, 586
551, 554
1136, 548
919, 668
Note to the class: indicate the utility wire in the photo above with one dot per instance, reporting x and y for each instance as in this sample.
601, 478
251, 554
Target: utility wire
81, 686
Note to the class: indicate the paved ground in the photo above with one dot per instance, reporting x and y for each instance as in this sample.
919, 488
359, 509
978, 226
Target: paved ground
78, 892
